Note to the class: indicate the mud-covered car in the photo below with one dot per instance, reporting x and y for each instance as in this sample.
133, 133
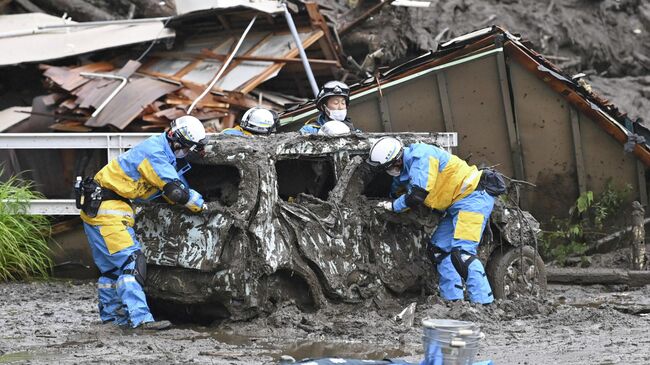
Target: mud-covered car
294, 217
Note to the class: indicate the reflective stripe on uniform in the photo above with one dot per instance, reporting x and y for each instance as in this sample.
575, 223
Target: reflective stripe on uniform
193, 200
469, 180
126, 279
105, 286
115, 212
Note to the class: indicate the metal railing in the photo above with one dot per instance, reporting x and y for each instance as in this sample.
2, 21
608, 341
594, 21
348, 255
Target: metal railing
114, 144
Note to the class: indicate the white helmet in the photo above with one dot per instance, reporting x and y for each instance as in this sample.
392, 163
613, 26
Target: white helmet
259, 120
334, 128
189, 132
385, 152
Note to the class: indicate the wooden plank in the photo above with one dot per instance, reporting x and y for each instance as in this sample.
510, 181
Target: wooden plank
643, 187
577, 148
384, 112
209, 54
597, 276
441, 79
252, 84
513, 135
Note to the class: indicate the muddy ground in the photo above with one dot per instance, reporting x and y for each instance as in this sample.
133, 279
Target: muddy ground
57, 322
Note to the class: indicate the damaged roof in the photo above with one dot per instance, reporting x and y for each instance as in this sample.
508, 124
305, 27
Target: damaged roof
38, 37
463, 48
162, 87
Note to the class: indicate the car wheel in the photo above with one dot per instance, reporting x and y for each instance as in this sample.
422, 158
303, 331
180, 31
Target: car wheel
517, 272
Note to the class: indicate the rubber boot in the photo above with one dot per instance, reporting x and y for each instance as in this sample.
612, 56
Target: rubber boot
154, 326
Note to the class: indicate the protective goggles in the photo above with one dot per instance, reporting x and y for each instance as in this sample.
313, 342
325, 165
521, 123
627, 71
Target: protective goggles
195, 147
336, 87
386, 165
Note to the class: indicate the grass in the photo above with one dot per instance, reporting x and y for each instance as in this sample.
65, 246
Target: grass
23, 238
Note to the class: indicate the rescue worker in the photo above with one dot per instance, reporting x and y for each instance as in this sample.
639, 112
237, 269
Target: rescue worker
141, 173
332, 101
254, 121
436, 179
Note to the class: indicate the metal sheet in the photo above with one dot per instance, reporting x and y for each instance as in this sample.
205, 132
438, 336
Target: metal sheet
130, 102
415, 106
544, 124
205, 70
61, 43
13, 115
605, 159
168, 66
364, 113
478, 114
274, 46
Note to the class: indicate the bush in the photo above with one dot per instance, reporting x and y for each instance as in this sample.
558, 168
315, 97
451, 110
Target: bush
586, 221
23, 238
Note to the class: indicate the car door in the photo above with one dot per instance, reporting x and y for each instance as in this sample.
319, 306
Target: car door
174, 237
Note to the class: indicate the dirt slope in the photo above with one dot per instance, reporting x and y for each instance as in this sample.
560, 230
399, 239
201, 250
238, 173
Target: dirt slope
608, 40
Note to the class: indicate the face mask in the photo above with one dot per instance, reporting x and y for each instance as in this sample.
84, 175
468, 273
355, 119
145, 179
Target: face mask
394, 171
180, 153
337, 114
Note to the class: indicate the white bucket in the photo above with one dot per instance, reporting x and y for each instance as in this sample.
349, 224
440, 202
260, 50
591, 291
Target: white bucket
450, 342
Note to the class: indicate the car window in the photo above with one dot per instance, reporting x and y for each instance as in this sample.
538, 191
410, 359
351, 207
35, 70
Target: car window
313, 176
218, 183
377, 185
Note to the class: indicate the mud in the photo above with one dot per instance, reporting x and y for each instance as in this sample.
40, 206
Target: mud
298, 228
57, 322
610, 37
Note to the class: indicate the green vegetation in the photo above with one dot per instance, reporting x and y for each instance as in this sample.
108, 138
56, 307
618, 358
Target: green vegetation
23, 238
586, 222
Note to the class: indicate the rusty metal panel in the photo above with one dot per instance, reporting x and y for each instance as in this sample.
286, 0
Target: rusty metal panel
364, 113
544, 124
414, 106
130, 102
478, 114
605, 159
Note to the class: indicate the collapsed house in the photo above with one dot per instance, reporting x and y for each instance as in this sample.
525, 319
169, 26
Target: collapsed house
142, 91
512, 109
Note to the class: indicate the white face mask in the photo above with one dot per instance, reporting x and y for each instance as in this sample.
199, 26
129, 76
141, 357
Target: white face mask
394, 171
337, 114
180, 153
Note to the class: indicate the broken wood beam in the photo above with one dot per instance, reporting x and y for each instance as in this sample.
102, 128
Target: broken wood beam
210, 54
637, 242
595, 276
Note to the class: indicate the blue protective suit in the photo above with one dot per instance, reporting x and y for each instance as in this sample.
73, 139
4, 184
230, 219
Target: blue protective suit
138, 174
450, 184
236, 131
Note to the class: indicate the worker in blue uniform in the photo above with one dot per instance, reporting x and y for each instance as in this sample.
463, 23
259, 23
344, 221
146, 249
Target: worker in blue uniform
140, 174
332, 101
436, 179
255, 121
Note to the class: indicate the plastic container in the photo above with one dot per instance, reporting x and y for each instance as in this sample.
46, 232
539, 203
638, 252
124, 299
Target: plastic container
450, 342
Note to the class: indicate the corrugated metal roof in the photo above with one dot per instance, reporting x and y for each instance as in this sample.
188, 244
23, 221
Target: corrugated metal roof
241, 75
188, 6
48, 44
129, 103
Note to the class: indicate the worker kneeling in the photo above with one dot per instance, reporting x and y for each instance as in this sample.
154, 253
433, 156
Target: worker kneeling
142, 173
439, 180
